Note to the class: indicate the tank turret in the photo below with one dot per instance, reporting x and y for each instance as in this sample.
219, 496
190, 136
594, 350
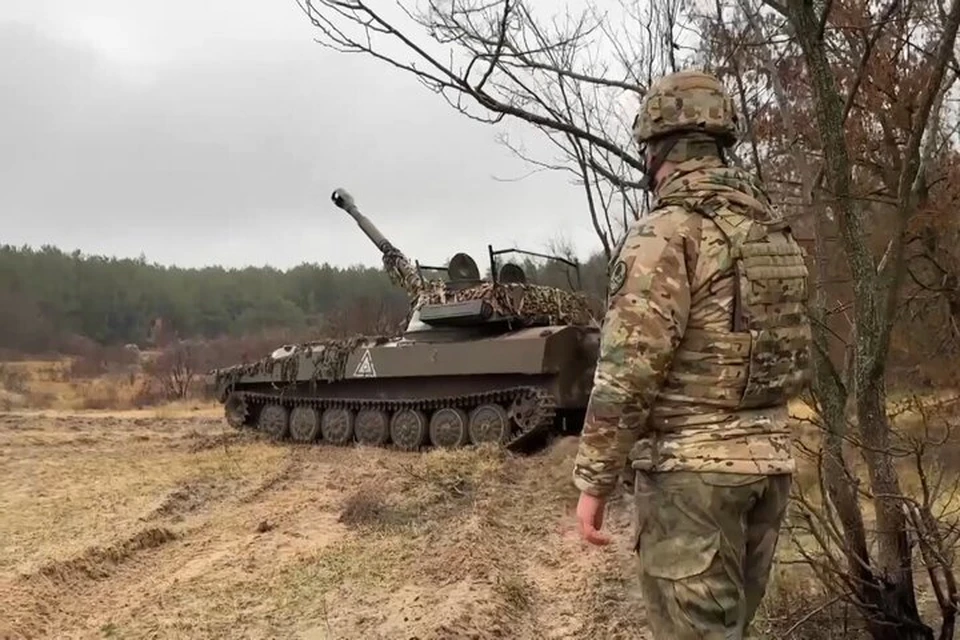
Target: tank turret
465, 300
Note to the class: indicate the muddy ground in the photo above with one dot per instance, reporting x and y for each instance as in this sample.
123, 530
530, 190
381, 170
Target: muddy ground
176, 526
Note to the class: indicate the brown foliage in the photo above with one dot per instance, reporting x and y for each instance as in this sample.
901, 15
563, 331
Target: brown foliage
176, 368
95, 360
23, 326
13, 379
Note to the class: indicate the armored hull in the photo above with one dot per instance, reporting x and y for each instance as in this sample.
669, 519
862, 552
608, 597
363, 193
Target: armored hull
479, 361
412, 394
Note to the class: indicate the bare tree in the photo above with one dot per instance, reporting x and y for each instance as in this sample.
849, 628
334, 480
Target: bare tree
177, 368
888, 587
876, 114
567, 75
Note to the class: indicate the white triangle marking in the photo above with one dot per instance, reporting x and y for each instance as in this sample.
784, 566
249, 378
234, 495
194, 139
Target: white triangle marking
365, 369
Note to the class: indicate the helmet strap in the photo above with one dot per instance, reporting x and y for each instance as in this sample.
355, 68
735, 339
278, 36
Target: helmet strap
662, 147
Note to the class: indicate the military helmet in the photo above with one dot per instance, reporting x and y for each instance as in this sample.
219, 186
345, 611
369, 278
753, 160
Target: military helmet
689, 101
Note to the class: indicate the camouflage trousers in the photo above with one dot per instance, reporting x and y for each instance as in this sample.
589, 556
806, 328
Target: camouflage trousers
706, 543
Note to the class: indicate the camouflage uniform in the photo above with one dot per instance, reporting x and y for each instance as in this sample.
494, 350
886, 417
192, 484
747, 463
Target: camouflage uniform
704, 341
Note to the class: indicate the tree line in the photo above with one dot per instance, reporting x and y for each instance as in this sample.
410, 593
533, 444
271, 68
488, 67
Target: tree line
48, 296
50, 299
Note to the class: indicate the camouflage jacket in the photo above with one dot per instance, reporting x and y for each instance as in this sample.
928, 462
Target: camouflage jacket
679, 385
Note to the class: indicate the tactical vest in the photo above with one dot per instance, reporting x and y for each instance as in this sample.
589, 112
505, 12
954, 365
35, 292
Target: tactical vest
763, 359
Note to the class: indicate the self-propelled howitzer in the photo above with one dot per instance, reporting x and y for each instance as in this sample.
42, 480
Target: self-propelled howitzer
480, 360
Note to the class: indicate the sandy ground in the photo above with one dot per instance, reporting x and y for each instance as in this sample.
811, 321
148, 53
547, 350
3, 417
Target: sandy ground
172, 525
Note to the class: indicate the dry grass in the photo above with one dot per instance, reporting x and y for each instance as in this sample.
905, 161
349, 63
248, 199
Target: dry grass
68, 385
795, 589
140, 527
165, 523
796, 607
85, 488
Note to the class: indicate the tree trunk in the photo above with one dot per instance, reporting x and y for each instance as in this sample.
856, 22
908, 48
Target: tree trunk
889, 592
895, 564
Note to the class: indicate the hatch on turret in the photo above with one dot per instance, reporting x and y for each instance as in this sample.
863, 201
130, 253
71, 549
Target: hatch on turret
511, 273
463, 268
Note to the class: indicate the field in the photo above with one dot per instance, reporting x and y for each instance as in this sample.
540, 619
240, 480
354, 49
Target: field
163, 522
171, 525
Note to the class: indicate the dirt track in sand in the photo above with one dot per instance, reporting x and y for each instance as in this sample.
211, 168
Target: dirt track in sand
134, 526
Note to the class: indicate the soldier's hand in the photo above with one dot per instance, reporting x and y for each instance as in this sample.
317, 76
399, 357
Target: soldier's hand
590, 519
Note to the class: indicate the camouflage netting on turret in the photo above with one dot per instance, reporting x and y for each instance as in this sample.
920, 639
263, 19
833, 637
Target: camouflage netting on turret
530, 303
328, 358
401, 272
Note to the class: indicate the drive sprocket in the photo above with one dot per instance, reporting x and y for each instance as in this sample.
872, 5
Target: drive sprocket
531, 411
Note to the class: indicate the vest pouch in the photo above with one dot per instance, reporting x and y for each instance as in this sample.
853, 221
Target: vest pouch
772, 281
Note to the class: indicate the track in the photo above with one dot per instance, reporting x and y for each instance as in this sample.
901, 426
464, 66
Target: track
510, 417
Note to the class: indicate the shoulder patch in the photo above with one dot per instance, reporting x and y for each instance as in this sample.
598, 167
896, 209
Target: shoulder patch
618, 276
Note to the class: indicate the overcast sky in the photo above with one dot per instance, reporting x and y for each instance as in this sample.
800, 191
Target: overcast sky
213, 132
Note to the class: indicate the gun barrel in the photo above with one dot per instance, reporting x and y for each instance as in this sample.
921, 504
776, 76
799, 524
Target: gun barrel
345, 201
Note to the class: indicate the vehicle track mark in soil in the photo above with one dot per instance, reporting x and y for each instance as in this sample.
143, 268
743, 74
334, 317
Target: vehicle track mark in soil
226, 531
293, 465
31, 598
188, 497
106, 586
219, 556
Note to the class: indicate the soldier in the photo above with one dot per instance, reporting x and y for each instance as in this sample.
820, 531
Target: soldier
705, 340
